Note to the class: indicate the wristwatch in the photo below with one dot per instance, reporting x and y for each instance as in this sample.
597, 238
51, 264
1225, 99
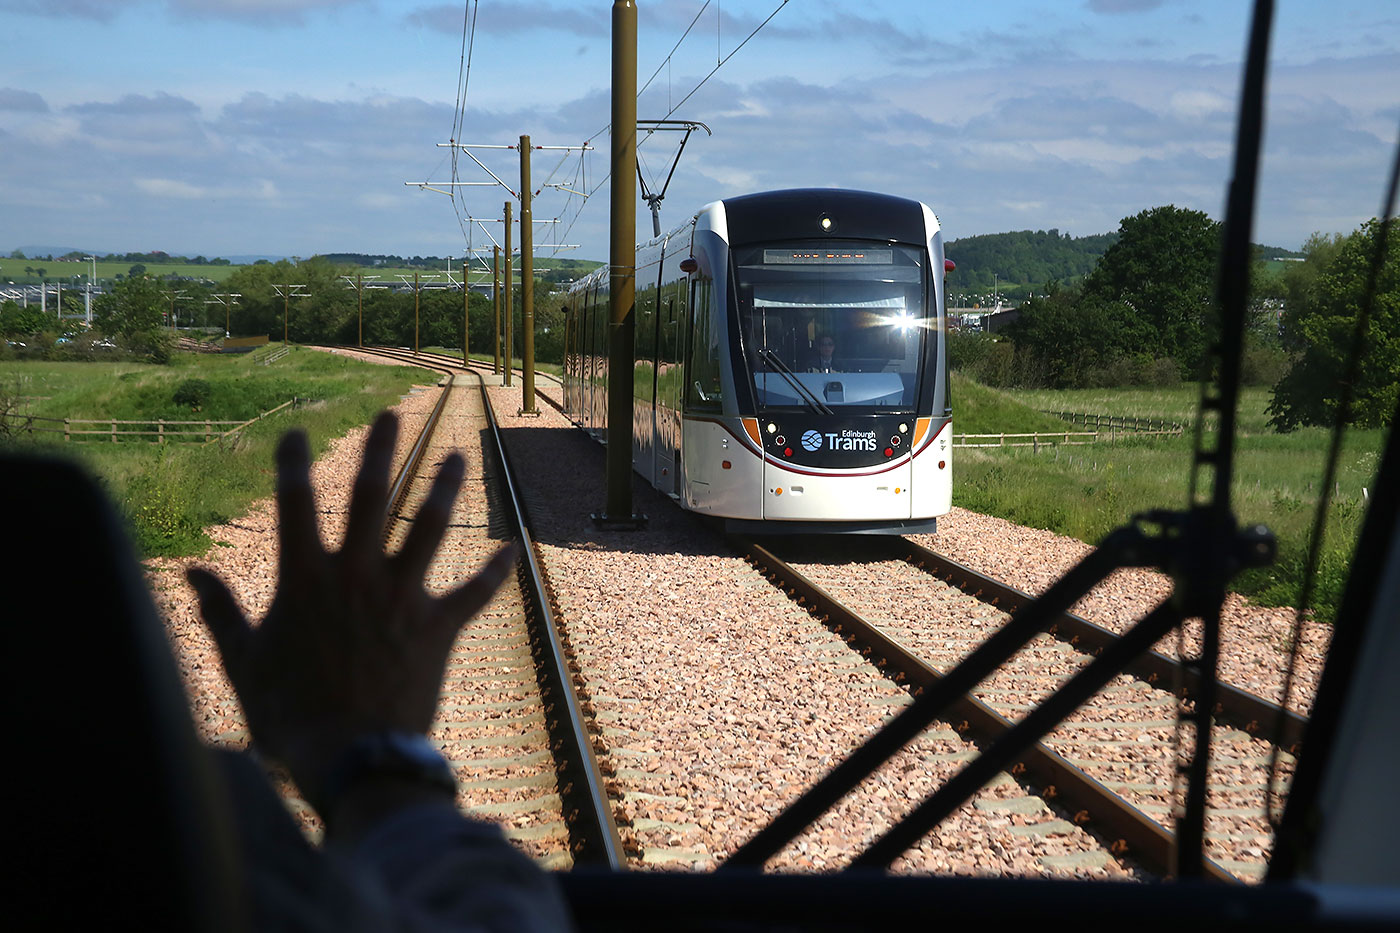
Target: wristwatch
402, 755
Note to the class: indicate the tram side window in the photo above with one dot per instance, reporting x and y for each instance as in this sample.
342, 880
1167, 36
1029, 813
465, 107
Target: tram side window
702, 374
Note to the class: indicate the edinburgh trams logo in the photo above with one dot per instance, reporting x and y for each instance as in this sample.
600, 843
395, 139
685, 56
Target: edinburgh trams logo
845, 440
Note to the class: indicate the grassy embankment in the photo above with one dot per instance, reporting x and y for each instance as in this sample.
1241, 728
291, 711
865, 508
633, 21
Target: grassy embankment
170, 492
1085, 492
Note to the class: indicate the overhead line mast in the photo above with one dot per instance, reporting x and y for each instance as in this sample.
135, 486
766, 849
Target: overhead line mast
525, 195
287, 296
622, 270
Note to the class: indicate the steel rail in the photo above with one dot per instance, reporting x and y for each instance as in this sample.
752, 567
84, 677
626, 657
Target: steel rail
1240, 708
1132, 832
399, 490
481, 364
587, 807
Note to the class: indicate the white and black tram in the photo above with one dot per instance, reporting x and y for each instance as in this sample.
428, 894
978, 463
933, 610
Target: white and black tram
790, 368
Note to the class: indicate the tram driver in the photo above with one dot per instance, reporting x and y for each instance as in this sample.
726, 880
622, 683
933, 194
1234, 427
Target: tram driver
826, 361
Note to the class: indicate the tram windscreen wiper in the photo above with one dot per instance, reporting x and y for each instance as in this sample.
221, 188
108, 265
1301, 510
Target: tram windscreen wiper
805, 393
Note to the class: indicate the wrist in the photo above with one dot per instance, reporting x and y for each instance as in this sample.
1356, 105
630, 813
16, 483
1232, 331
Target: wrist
380, 772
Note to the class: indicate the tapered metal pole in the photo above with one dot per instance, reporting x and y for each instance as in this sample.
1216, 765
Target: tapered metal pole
507, 311
496, 309
466, 317
527, 285
622, 261
415, 314
360, 292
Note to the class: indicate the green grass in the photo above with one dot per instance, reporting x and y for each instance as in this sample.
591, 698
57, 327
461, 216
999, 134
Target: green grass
169, 493
1085, 492
12, 270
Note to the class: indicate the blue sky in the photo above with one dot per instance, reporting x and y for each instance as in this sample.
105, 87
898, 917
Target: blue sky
288, 127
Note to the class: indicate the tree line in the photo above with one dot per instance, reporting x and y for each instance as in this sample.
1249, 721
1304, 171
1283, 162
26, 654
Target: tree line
1146, 314
133, 318
1016, 264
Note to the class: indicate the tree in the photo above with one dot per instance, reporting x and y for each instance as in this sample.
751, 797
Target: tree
16, 321
1162, 274
1068, 338
1325, 296
131, 309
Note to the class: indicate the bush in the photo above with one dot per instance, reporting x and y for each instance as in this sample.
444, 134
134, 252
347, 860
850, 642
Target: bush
160, 507
1264, 366
192, 392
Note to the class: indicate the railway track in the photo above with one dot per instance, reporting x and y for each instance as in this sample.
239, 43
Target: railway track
1108, 769
508, 719
1109, 766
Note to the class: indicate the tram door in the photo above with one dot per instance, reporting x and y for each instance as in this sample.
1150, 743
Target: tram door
668, 388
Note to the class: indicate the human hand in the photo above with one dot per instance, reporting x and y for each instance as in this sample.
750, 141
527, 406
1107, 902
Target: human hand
353, 643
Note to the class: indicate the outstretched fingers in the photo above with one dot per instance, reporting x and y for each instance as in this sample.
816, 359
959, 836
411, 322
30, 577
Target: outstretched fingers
431, 521
469, 598
369, 500
296, 507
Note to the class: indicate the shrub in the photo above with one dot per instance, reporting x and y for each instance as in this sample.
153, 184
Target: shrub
192, 392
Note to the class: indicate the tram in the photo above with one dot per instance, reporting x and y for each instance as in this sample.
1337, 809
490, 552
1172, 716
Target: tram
790, 369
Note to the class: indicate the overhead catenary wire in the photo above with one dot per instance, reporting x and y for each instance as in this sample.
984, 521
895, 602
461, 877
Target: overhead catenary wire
721, 61
464, 70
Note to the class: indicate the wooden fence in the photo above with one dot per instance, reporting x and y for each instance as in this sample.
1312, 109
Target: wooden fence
1037, 440
1115, 423
1106, 428
160, 430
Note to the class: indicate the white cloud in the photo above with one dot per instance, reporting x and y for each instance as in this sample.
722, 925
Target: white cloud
171, 188
1195, 104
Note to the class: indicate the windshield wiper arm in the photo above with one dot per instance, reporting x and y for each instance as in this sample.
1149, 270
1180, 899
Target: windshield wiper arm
805, 393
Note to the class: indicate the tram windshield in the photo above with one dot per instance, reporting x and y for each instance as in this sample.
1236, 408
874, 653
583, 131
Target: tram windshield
832, 325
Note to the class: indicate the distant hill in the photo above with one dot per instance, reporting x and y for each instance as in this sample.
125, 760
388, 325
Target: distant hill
546, 269
34, 252
1017, 263
1012, 262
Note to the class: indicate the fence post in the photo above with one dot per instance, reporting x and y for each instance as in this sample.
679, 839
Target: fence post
160, 430
207, 429
114, 432
67, 430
